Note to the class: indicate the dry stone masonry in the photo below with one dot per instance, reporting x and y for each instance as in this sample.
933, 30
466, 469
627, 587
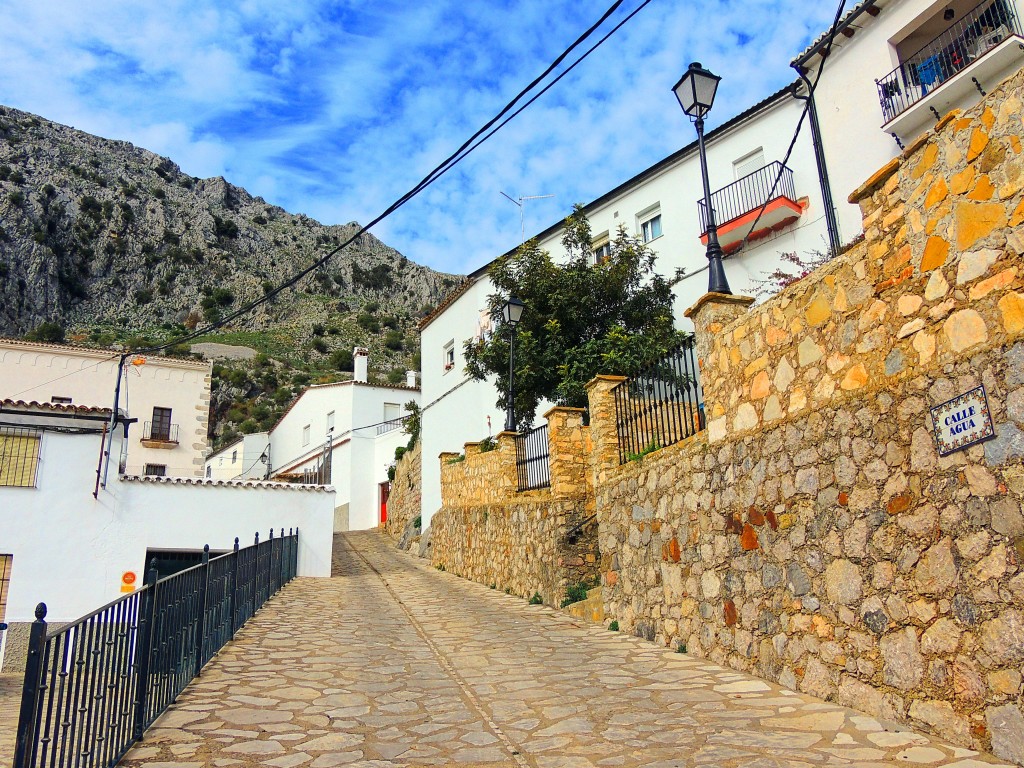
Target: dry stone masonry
812, 534
534, 542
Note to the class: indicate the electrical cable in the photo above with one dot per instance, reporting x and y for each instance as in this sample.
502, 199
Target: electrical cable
453, 159
796, 134
66, 375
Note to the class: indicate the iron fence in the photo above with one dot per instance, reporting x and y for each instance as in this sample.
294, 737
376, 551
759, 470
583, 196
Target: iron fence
748, 194
533, 459
966, 40
93, 686
661, 406
391, 425
160, 431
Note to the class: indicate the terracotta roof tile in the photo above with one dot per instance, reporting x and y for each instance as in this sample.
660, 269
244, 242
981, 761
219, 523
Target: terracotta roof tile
227, 483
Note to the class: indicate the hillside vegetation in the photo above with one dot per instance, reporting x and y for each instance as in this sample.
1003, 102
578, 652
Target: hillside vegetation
107, 244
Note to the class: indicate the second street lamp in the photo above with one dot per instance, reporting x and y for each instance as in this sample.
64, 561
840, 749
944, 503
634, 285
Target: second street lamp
511, 313
696, 93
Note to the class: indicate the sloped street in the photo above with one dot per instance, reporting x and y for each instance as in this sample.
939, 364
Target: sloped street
393, 663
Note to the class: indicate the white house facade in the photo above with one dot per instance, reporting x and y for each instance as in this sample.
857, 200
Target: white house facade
168, 397
758, 221
896, 67
72, 545
342, 434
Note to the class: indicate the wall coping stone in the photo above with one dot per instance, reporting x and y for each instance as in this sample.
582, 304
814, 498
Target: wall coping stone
718, 298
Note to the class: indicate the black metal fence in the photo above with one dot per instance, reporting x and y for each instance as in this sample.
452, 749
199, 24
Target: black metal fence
533, 459
160, 431
661, 406
95, 685
962, 43
748, 194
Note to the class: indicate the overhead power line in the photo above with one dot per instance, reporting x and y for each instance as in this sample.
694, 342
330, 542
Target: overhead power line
474, 141
833, 30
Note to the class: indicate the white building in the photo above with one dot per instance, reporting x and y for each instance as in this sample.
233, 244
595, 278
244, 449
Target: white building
896, 68
76, 546
341, 434
662, 206
169, 398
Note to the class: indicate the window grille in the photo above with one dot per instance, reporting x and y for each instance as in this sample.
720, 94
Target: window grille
19, 456
155, 470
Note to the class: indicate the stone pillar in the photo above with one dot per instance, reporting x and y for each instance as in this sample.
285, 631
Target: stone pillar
712, 313
604, 456
567, 446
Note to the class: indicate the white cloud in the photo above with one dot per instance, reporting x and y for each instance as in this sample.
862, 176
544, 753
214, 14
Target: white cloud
336, 108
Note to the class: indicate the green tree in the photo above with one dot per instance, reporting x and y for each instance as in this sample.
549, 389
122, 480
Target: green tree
581, 319
47, 331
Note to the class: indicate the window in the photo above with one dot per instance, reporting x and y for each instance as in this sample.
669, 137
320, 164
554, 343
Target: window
155, 470
60, 400
209, 472
392, 411
5, 582
161, 424
746, 165
650, 229
19, 457
330, 421
234, 456
449, 355
305, 435
602, 249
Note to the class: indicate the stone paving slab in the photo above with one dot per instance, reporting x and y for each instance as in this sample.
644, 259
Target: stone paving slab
10, 702
397, 664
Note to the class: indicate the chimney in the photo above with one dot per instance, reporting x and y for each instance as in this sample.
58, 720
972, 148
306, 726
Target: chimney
361, 356
410, 379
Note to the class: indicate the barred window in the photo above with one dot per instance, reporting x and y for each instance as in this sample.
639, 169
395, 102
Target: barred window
19, 456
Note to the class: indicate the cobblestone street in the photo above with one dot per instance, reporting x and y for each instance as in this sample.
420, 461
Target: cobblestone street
393, 663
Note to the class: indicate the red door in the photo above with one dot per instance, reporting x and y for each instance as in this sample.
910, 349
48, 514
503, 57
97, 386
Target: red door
385, 491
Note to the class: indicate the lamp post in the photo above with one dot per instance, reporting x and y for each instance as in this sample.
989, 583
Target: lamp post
512, 313
696, 93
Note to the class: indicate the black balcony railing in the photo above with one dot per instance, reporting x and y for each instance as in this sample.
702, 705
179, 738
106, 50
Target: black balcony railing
93, 686
661, 406
748, 194
533, 459
160, 432
964, 42
390, 426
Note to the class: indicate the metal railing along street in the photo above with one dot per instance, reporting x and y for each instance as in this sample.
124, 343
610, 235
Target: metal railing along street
748, 194
965, 41
661, 406
93, 686
533, 460
168, 433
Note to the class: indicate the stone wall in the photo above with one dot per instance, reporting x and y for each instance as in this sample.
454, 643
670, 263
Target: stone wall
406, 492
539, 541
812, 534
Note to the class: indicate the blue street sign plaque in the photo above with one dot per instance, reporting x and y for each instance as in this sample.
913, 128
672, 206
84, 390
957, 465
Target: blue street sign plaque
962, 421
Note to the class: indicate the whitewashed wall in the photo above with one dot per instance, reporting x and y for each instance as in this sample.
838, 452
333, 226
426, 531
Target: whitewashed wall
676, 189
70, 550
39, 372
847, 99
240, 460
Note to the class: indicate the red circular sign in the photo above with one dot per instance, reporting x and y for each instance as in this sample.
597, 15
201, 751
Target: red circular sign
128, 577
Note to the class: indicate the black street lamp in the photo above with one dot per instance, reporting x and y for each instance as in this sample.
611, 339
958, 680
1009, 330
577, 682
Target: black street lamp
512, 313
696, 93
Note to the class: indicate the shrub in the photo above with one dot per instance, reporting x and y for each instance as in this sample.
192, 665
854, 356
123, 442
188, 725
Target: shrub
614, 626
536, 599
417, 522
319, 345
47, 331
341, 360
144, 296
575, 593
393, 341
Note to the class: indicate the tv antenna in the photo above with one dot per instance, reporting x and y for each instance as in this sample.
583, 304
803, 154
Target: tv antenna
518, 201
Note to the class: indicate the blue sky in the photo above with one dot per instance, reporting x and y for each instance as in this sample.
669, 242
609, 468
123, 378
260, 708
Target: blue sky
335, 109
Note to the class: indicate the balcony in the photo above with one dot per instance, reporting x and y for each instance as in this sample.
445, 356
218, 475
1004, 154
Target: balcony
390, 426
976, 49
160, 435
737, 206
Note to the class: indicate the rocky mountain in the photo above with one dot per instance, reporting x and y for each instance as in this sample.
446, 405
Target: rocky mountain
100, 234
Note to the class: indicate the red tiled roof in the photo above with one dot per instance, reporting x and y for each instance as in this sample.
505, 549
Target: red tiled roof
71, 348
227, 483
70, 408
